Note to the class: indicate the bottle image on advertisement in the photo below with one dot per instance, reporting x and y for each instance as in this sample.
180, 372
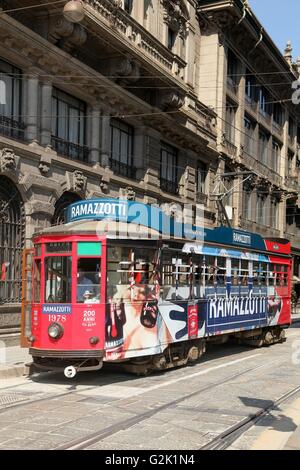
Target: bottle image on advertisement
115, 320
149, 313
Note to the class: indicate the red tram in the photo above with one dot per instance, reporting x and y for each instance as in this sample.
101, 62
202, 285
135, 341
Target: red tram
114, 284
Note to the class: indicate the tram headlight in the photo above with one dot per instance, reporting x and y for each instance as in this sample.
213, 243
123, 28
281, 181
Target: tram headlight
55, 331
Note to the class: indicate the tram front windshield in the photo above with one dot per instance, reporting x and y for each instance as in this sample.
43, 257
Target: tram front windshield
88, 280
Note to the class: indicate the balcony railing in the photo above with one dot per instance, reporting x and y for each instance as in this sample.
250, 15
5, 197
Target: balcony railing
253, 164
11, 128
169, 186
70, 150
134, 36
277, 128
230, 147
122, 169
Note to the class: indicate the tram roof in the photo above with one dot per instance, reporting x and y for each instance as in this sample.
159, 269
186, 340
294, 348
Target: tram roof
109, 229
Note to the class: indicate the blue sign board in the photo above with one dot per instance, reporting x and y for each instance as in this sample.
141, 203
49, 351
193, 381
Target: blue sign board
154, 218
59, 309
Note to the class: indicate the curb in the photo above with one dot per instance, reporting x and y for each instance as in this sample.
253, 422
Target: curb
14, 371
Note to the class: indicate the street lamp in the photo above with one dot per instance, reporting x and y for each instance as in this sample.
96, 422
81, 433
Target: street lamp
74, 11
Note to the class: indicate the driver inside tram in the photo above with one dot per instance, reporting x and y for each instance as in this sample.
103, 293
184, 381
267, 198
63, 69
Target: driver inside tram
88, 281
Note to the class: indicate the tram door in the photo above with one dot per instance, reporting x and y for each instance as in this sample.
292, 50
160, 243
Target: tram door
73, 296
89, 293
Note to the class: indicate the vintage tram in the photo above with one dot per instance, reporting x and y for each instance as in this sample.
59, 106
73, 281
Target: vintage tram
122, 282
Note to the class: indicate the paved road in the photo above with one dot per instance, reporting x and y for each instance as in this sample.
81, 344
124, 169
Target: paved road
179, 409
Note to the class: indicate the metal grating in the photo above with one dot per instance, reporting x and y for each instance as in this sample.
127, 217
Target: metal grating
11, 398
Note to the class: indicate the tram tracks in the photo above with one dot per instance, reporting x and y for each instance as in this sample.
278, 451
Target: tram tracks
95, 437
222, 441
232, 434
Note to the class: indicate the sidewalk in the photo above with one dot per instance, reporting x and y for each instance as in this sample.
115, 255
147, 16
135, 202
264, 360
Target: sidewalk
12, 361
283, 433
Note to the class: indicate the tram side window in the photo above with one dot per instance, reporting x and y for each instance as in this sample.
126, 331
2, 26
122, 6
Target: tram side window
221, 271
210, 270
131, 273
88, 280
271, 275
235, 271
37, 281
244, 272
199, 273
281, 276
260, 274
176, 276
58, 279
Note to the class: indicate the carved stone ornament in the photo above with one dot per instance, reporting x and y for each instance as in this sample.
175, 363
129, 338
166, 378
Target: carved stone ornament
128, 193
176, 15
67, 34
8, 161
125, 70
79, 181
104, 182
44, 165
171, 100
116, 4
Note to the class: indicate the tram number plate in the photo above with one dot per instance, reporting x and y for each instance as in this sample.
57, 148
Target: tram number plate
57, 318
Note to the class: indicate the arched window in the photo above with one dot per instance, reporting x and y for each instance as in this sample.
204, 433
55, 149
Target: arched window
12, 238
61, 204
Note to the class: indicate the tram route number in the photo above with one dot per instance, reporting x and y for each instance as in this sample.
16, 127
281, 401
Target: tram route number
57, 318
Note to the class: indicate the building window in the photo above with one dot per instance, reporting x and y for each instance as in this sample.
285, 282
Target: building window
201, 177
276, 151
264, 105
249, 129
261, 209
12, 238
230, 121
250, 86
171, 38
232, 69
274, 214
128, 4
263, 147
10, 101
121, 160
168, 169
278, 114
291, 129
290, 163
69, 126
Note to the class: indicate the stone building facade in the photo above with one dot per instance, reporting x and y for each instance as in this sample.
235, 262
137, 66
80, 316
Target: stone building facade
135, 101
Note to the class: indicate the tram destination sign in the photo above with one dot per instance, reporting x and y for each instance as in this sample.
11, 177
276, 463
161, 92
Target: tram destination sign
97, 210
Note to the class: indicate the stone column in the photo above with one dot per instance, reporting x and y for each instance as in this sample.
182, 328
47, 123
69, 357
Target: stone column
95, 136
32, 109
46, 117
105, 138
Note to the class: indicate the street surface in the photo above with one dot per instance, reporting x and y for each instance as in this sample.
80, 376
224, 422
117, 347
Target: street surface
180, 409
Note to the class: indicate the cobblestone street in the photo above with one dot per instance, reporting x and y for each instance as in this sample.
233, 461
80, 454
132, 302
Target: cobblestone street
181, 409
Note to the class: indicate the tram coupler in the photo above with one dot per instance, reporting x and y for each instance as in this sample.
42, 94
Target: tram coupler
71, 371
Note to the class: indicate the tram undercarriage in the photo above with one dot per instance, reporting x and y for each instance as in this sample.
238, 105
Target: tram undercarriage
176, 355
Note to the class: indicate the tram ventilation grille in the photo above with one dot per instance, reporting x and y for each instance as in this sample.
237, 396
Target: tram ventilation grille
59, 354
